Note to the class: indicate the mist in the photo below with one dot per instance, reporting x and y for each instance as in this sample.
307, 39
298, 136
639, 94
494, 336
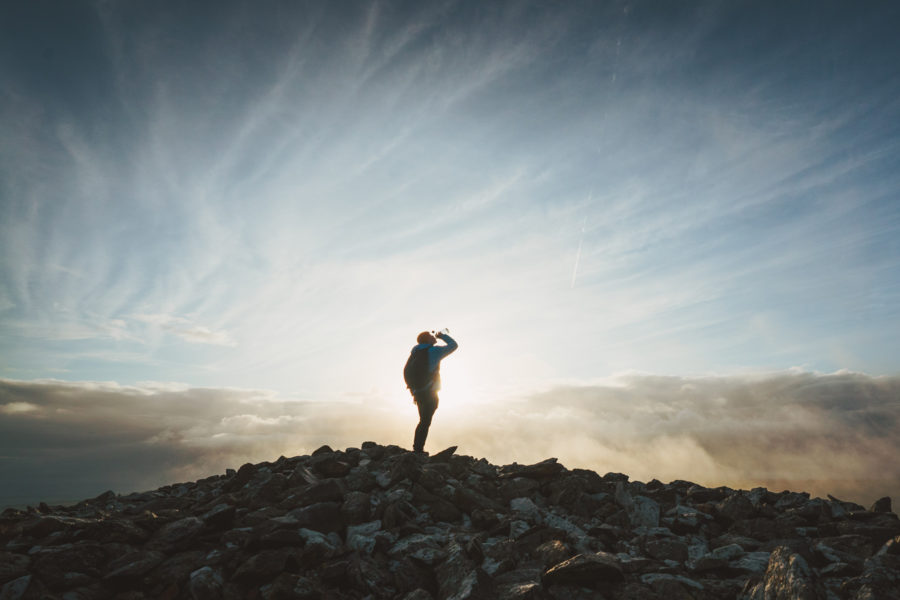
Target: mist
822, 433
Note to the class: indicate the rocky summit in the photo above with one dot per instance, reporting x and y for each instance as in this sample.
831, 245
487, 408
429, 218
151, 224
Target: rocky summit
381, 522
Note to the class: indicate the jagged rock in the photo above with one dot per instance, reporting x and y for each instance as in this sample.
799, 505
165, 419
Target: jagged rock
382, 522
542, 470
787, 577
52, 565
22, 588
585, 569
552, 553
328, 465
443, 455
700, 495
751, 563
13, 566
668, 585
526, 509
736, 507
322, 516
891, 547
362, 537
265, 565
644, 512
520, 591
459, 578
241, 478
328, 490
427, 549
882, 505
177, 534
219, 517
206, 584
518, 487
667, 549
134, 565
718, 558
357, 508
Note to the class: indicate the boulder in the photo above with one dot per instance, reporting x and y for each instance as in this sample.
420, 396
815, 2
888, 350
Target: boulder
177, 534
134, 565
644, 512
787, 577
882, 505
460, 579
328, 490
13, 566
265, 565
545, 469
596, 569
321, 516
206, 583
427, 549
356, 508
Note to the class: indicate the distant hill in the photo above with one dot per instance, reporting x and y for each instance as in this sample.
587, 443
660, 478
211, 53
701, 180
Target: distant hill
381, 522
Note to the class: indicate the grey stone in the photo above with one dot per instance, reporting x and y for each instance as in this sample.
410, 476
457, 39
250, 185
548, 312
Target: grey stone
356, 508
220, 516
322, 516
653, 578
545, 469
552, 553
22, 588
426, 549
318, 545
264, 565
736, 507
362, 537
585, 569
176, 535
134, 565
751, 563
644, 512
787, 577
443, 455
667, 549
206, 584
459, 578
526, 509
328, 490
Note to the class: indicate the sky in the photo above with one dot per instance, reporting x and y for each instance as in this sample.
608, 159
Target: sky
654, 228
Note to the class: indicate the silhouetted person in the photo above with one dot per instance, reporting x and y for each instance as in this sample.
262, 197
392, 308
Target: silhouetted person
423, 377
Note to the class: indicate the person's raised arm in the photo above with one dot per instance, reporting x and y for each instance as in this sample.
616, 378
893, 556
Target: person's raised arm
450, 346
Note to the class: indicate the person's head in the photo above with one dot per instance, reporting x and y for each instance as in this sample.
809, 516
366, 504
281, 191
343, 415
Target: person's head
426, 338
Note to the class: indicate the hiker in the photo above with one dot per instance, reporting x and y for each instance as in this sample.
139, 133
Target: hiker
423, 378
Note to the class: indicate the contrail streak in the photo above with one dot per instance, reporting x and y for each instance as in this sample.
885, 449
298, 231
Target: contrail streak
578, 254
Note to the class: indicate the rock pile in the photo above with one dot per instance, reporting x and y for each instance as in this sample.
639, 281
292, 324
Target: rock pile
380, 522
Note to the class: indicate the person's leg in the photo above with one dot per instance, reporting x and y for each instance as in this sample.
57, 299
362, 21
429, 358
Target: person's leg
427, 404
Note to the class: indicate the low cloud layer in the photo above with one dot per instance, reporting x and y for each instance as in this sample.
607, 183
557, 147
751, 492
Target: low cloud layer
837, 434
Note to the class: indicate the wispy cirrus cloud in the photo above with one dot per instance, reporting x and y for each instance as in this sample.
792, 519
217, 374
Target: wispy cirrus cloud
187, 330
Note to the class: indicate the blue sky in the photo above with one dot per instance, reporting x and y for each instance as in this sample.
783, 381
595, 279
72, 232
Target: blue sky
278, 196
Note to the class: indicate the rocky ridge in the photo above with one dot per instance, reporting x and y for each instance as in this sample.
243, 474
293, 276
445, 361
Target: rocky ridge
381, 522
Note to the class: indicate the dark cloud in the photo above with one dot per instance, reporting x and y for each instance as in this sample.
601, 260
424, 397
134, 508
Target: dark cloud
837, 433
65, 441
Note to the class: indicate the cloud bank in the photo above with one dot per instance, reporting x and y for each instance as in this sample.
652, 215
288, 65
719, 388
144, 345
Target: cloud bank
837, 433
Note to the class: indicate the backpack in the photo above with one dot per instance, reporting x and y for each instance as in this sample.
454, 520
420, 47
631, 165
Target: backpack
415, 373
